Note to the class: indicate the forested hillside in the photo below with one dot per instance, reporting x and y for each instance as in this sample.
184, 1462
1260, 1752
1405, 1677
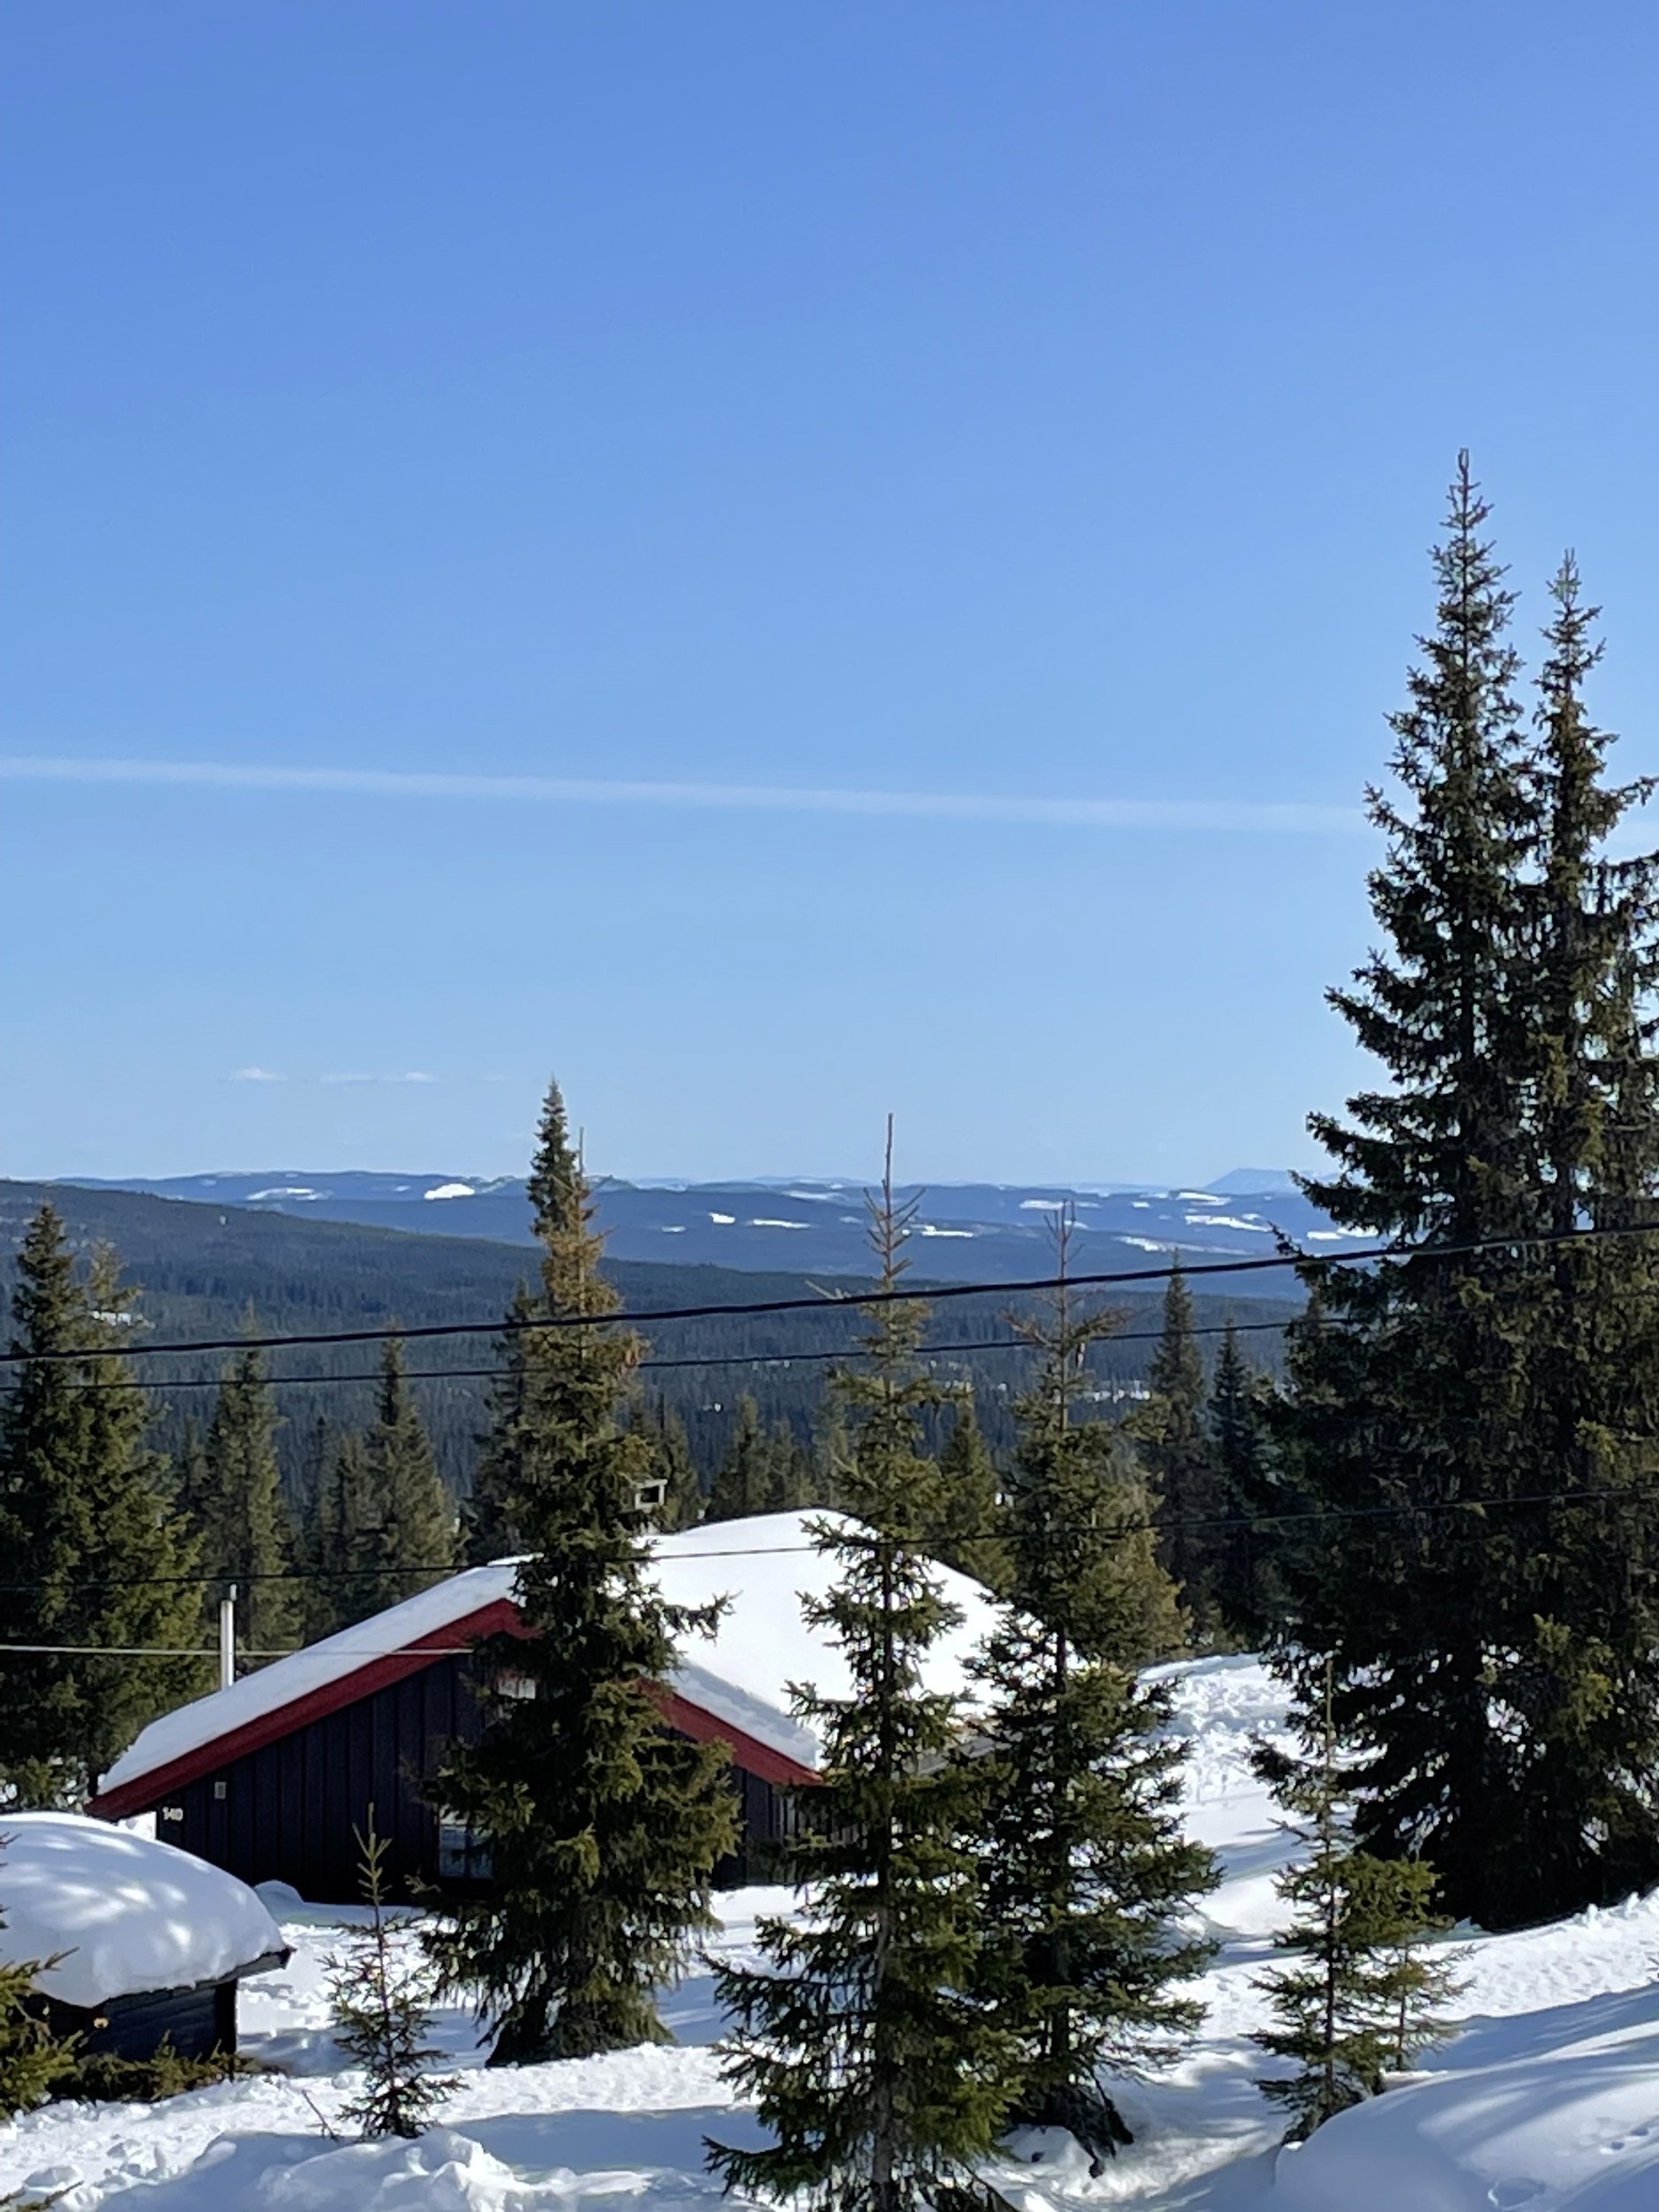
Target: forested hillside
202, 1268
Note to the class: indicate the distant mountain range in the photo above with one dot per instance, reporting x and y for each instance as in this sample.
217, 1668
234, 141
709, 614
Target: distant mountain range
964, 1232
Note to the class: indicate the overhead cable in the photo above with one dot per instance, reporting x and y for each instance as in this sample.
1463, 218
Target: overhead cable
513, 1324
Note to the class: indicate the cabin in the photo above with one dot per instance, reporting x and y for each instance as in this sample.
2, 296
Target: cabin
137, 1942
267, 1777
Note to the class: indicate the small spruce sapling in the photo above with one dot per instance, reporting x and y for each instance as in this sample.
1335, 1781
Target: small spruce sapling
381, 1995
1359, 2000
1418, 1982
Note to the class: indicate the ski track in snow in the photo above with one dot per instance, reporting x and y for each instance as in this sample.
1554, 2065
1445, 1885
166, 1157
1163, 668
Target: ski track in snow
1548, 2099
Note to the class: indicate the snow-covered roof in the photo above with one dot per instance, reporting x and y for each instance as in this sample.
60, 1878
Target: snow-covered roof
129, 1914
740, 1675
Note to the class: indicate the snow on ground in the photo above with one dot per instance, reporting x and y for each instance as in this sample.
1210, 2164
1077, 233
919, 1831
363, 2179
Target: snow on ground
125, 1913
1548, 2099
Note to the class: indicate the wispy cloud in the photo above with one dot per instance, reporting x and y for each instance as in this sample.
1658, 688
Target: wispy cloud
414, 1074
1086, 814
267, 1075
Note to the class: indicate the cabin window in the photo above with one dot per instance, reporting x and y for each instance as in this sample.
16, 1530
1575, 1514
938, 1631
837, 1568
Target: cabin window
511, 1684
219, 1789
462, 1857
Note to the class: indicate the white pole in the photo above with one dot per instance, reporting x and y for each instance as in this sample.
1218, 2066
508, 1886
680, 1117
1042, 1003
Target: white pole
227, 1638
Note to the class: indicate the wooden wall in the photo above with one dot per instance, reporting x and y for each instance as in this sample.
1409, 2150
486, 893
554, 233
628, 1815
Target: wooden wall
286, 1813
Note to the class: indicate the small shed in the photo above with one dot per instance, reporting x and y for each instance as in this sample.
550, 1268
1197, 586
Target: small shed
266, 1778
148, 1942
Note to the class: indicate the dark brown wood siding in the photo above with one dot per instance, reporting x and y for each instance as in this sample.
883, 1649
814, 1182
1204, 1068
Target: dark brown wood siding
286, 1813
196, 2022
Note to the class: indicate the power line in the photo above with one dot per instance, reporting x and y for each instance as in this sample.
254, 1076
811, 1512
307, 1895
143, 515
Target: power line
517, 1324
654, 1366
513, 1324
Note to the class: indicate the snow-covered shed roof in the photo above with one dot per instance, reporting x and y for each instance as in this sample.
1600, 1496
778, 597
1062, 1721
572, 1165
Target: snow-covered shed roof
739, 1678
129, 1914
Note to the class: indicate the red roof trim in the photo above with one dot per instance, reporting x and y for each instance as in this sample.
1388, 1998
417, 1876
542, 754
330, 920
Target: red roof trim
145, 1790
500, 1616
747, 1751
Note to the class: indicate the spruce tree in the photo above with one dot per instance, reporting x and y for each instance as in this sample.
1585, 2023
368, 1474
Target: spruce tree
794, 1478
744, 1479
1085, 1870
970, 1532
490, 1519
1248, 1597
416, 1517
1494, 1665
89, 1531
1359, 1997
247, 1535
342, 1541
669, 1465
1181, 1459
1586, 1688
602, 1827
874, 2066
380, 1995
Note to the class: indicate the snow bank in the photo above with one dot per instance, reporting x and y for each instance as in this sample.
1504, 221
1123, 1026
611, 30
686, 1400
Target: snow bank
131, 1914
443, 2171
1557, 2109
447, 2169
760, 1566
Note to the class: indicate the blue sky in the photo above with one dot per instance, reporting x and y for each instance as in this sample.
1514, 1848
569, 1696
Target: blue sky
412, 412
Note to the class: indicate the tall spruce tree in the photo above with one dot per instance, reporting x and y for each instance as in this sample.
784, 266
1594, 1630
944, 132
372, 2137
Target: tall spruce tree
1586, 1690
1180, 1458
877, 2070
247, 1533
1494, 1659
89, 1529
603, 1827
1085, 1870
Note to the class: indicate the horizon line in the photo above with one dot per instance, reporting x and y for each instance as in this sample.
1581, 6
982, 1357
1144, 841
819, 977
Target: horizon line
1286, 817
